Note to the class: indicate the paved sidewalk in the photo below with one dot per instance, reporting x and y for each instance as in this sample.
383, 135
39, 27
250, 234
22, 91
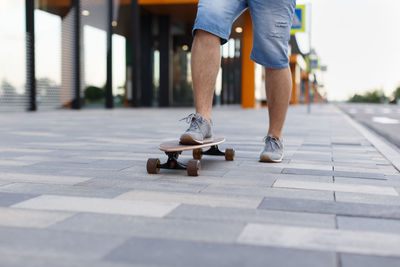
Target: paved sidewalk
74, 192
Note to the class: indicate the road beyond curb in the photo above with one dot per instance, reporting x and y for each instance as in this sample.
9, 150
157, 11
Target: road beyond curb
390, 152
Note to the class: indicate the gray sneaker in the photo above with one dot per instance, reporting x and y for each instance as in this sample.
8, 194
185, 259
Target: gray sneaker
273, 150
198, 132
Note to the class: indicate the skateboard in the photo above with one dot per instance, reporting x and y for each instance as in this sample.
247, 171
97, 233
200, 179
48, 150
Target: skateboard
173, 149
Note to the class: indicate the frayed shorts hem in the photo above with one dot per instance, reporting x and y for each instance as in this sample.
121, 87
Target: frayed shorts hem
268, 65
224, 38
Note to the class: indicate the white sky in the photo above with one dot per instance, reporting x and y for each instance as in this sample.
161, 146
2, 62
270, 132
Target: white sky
359, 40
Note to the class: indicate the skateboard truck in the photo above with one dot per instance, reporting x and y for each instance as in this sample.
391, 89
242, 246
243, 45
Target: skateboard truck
192, 168
213, 151
172, 162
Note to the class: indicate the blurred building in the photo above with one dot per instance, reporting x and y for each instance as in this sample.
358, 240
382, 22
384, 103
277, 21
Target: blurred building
128, 53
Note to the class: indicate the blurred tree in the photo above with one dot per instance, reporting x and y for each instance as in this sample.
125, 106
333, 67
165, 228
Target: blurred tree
7, 89
93, 93
396, 94
373, 96
8, 93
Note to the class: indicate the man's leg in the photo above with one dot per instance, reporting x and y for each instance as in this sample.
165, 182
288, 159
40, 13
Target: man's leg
272, 20
212, 27
278, 85
206, 61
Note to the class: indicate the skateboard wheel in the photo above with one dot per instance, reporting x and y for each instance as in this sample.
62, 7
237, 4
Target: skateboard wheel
152, 166
197, 153
193, 167
229, 154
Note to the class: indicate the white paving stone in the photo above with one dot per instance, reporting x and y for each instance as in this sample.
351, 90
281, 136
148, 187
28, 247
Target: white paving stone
31, 218
195, 199
23, 150
369, 243
41, 178
15, 163
366, 189
99, 205
323, 167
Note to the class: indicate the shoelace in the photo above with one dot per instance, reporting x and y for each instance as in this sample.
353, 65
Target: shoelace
272, 142
193, 120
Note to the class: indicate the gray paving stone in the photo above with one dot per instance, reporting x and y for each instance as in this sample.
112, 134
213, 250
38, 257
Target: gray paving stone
167, 228
369, 243
261, 181
15, 260
367, 165
324, 167
364, 175
368, 224
156, 183
4, 183
32, 242
98, 205
305, 178
345, 144
214, 200
367, 199
355, 161
362, 181
258, 171
367, 189
351, 260
309, 156
184, 253
330, 207
270, 192
48, 177
356, 169
228, 215
315, 148
8, 199
66, 190
30, 218
393, 177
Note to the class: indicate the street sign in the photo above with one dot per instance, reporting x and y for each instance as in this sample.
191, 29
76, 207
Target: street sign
312, 63
299, 19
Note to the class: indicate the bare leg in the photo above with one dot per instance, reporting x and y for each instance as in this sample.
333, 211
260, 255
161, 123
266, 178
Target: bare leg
278, 85
206, 61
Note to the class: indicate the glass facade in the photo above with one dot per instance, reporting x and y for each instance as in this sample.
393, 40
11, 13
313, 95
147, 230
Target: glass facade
182, 80
48, 58
90, 53
230, 92
13, 93
94, 51
119, 69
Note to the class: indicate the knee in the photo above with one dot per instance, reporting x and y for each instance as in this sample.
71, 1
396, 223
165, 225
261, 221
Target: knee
271, 70
206, 38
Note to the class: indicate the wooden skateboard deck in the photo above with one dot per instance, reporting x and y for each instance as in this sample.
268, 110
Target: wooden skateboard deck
173, 149
173, 146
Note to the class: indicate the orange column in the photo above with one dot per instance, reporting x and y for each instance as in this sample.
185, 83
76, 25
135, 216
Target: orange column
248, 66
304, 77
295, 69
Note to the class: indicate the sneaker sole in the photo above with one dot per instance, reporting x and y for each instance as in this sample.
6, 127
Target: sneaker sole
188, 140
268, 159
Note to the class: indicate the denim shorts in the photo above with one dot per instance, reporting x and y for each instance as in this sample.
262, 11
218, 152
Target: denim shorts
272, 20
